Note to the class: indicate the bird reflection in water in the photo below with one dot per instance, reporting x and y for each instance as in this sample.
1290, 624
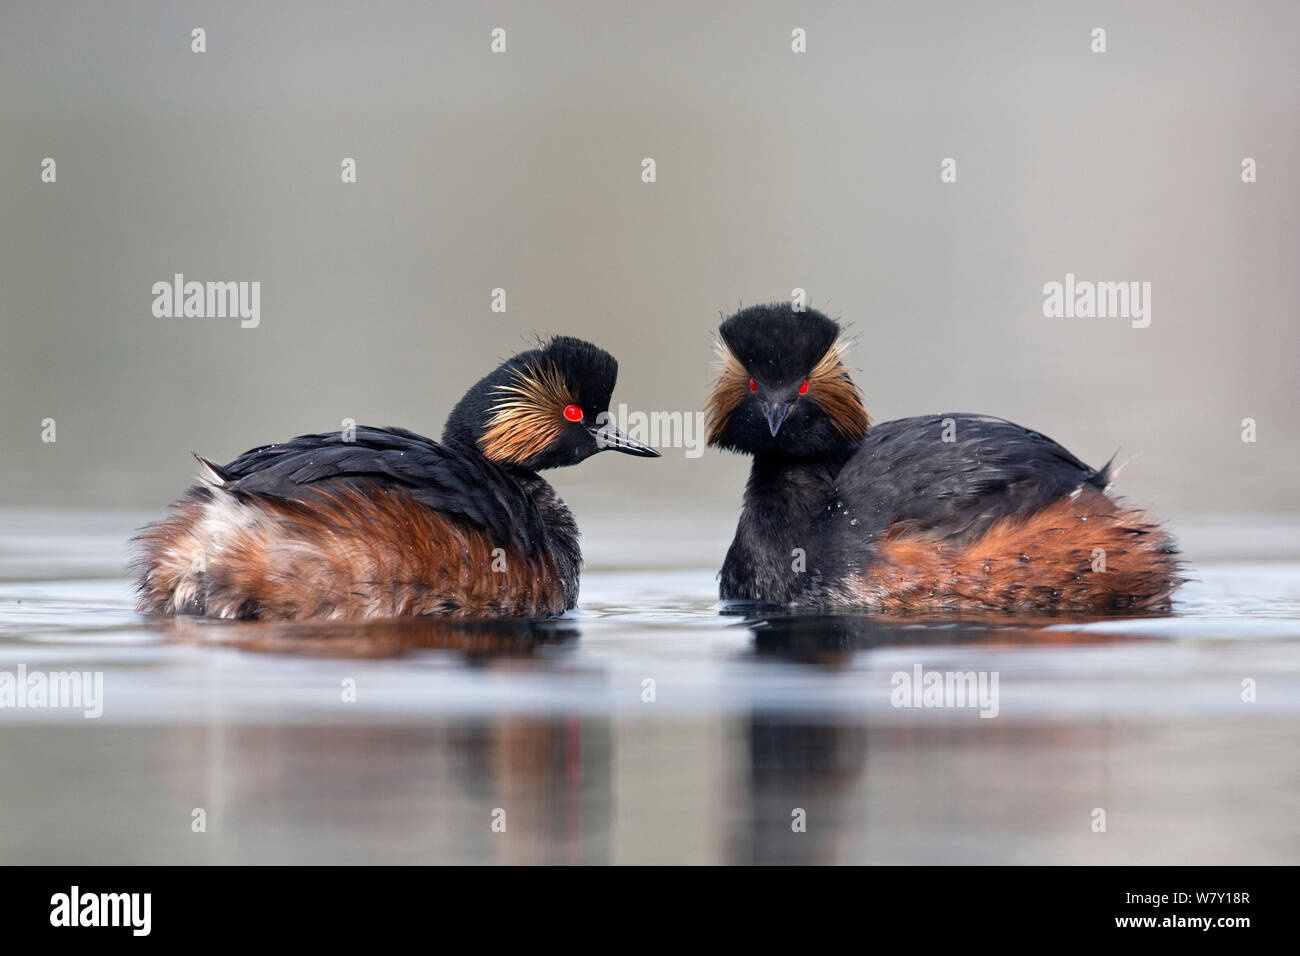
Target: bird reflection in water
832, 638
394, 637
554, 772
806, 782
447, 776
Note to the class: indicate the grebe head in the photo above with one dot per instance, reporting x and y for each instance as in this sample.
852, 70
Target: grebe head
544, 408
782, 388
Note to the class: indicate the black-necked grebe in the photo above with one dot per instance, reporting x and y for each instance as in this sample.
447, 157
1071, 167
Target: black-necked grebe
386, 523
938, 512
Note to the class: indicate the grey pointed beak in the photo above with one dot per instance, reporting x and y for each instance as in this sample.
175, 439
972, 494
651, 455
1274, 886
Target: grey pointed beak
776, 415
609, 438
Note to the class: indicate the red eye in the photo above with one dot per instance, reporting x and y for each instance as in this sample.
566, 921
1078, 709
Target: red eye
803, 389
573, 413
753, 386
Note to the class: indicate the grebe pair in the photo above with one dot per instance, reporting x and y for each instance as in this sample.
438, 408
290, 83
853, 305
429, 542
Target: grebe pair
939, 512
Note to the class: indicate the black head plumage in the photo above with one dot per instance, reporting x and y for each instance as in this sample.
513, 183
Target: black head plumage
543, 408
782, 387
778, 345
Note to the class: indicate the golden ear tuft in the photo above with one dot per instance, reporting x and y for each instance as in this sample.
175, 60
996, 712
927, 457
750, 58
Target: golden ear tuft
830, 386
728, 391
529, 415
834, 391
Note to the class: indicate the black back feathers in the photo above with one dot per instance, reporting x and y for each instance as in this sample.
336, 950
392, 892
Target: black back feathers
463, 485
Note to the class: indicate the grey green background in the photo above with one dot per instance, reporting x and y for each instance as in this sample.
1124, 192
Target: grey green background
522, 170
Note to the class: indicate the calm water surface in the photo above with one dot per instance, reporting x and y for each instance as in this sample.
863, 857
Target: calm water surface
756, 721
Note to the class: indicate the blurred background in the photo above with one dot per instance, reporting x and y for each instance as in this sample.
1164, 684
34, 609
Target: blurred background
522, 171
